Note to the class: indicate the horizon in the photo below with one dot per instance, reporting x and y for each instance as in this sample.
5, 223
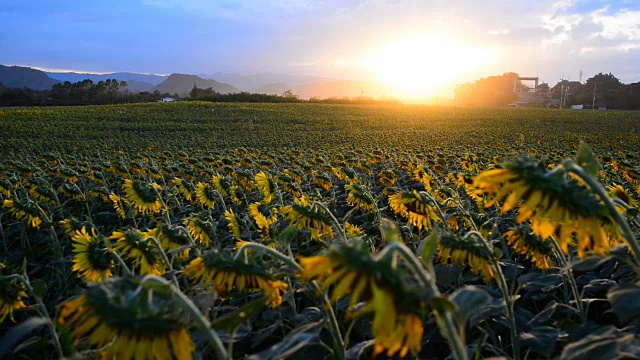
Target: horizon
417, 49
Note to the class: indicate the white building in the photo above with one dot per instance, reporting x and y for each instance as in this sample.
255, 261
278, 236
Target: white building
168, 99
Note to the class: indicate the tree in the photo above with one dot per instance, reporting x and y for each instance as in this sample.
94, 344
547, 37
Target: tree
289, 94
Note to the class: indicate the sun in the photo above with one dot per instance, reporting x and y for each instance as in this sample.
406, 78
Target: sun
423, 66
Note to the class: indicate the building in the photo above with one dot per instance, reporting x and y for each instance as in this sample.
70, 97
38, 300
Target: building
168, 99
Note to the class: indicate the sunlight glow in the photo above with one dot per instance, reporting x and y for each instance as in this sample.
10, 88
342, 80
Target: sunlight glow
423, 66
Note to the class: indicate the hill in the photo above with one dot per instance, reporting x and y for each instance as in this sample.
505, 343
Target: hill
256, 82
341, 88
120, 76
182, 84
138, 86
21, 77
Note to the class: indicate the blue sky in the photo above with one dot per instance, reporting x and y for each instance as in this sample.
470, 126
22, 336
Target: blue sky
548, 38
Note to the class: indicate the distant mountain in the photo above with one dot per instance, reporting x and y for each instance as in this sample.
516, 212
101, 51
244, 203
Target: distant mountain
120, 76
255, 82
182, 84
341, 88
20, 77
138, 86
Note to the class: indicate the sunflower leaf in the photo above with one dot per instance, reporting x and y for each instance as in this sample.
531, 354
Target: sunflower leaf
587, 160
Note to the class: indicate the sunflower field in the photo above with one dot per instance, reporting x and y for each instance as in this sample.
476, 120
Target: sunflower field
273, 231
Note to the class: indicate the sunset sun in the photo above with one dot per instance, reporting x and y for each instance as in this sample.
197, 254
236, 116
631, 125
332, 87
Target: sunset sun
422, 66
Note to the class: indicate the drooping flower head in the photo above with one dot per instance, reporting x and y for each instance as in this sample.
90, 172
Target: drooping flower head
142, 251
185, 188
92, 259
205, 195
12, 295
360, 197
306, 216
322, 180
417, 208
119, 204
464, 251
387, 177
201, 229
555, 205
233, 223
26, 211
171, 238
266, 185
526, 243
128, 321
264, 217
143, 197
225, 274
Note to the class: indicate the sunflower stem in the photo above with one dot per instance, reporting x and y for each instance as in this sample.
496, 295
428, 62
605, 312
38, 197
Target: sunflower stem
201, 322
121, 262
504, 288
600, 191
343, 236
445, 320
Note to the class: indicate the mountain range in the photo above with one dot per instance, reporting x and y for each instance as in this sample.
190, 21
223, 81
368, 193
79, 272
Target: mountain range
304, 86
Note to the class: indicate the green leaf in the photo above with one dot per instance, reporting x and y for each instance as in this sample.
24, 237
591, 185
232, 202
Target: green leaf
287, 235
389, 231
468, 300
11, 340
299, 338
442, 305
231, 321
587, 160
428, 247
605, 343
541, 339
624, 301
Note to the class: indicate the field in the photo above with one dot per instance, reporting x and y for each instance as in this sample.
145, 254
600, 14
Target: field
265, 231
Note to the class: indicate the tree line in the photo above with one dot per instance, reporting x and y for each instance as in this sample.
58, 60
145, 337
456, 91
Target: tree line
84, 92
600, 91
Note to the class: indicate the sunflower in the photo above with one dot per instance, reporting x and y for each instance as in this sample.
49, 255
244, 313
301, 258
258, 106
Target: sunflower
128, 321
464, 251
225, 274
524, 242
351, 270
12, 294
414, 206
144, 197
119, 204
421, 175
322, 180
91, 260
71, 191
554, 204
264, 217
70, 226
171, 238
43, 194
245, 178
142, 251
620, 192
185, 188
266, 185
221, 184
387, 178
205, 195
305, 216
25, 211
352, 231
234, 223
201, 230
6, 187
360, 197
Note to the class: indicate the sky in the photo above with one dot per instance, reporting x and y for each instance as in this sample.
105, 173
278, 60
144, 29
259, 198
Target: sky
418, 46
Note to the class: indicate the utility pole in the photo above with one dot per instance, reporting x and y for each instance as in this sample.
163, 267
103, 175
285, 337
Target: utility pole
593, 105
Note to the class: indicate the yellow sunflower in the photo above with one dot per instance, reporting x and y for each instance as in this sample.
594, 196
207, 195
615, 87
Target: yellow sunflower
171, 238
421, 175
322, 180
201, 230
119, 204
305, 216
554, 204
466, 251
524, 242
620, 192
352, 231
91, 259
205, 195
12, 294
124, 322
184, 187
234, 223
225, 274
351, 270
133, 245
264, 217
266, 185
387, 178
25, 211
419, 210
143, 197
360, 197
